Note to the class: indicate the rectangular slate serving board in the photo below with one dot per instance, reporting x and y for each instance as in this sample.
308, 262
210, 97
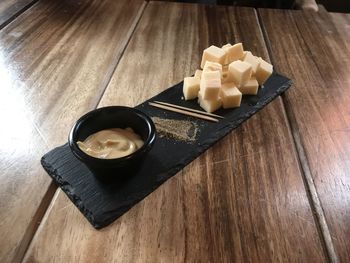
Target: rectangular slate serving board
102, 203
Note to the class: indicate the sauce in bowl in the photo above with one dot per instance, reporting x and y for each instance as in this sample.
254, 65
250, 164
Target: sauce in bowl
111, 143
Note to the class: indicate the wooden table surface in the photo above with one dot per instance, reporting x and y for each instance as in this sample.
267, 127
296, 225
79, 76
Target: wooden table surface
276, 189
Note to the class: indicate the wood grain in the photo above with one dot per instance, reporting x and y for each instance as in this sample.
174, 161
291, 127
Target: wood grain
314, 51
55, 62
341, 22
10, 9
243, 200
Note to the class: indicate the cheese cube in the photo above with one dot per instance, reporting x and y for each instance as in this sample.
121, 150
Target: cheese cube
213, 54
240, 71
210, 85
250, 87
198, 74
212, 66
252, 60
264, 71
234, 52
231, 97
191, 88
209, 105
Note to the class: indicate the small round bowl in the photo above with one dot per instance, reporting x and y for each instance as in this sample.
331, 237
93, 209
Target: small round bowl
106, 118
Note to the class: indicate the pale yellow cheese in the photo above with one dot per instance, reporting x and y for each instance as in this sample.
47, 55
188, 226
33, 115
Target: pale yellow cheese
233, 53
210, 84
212, 66
198, 73
231, 97
228, 73
263, 71
191, 88
209, 105
240, 72
213, 54
252, 60
250, 87
225, 47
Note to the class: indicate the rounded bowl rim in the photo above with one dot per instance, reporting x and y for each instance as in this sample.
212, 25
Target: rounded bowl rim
85, 157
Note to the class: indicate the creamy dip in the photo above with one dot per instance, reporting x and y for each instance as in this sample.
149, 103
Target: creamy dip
111, 143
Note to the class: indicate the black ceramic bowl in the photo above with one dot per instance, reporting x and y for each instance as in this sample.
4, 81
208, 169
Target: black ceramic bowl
106, 118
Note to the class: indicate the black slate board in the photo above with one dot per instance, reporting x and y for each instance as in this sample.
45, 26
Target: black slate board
102, 203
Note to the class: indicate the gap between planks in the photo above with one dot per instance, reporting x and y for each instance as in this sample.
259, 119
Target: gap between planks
305, 171
18, 13
126, 43
49, 198
35, 223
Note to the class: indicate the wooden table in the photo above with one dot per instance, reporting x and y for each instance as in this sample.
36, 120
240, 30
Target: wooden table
275, 189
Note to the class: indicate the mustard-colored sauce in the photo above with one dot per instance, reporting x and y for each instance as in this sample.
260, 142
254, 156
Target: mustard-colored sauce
111, 143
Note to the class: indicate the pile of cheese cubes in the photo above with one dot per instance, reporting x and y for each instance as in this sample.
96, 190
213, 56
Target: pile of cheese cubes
228, 72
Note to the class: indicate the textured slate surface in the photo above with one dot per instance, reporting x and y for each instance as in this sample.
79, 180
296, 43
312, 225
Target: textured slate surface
102, 203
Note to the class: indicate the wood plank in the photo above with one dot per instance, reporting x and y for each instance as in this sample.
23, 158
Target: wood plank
314, 51
55, 62
242, 200
342, 23
321, 8
10, 9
